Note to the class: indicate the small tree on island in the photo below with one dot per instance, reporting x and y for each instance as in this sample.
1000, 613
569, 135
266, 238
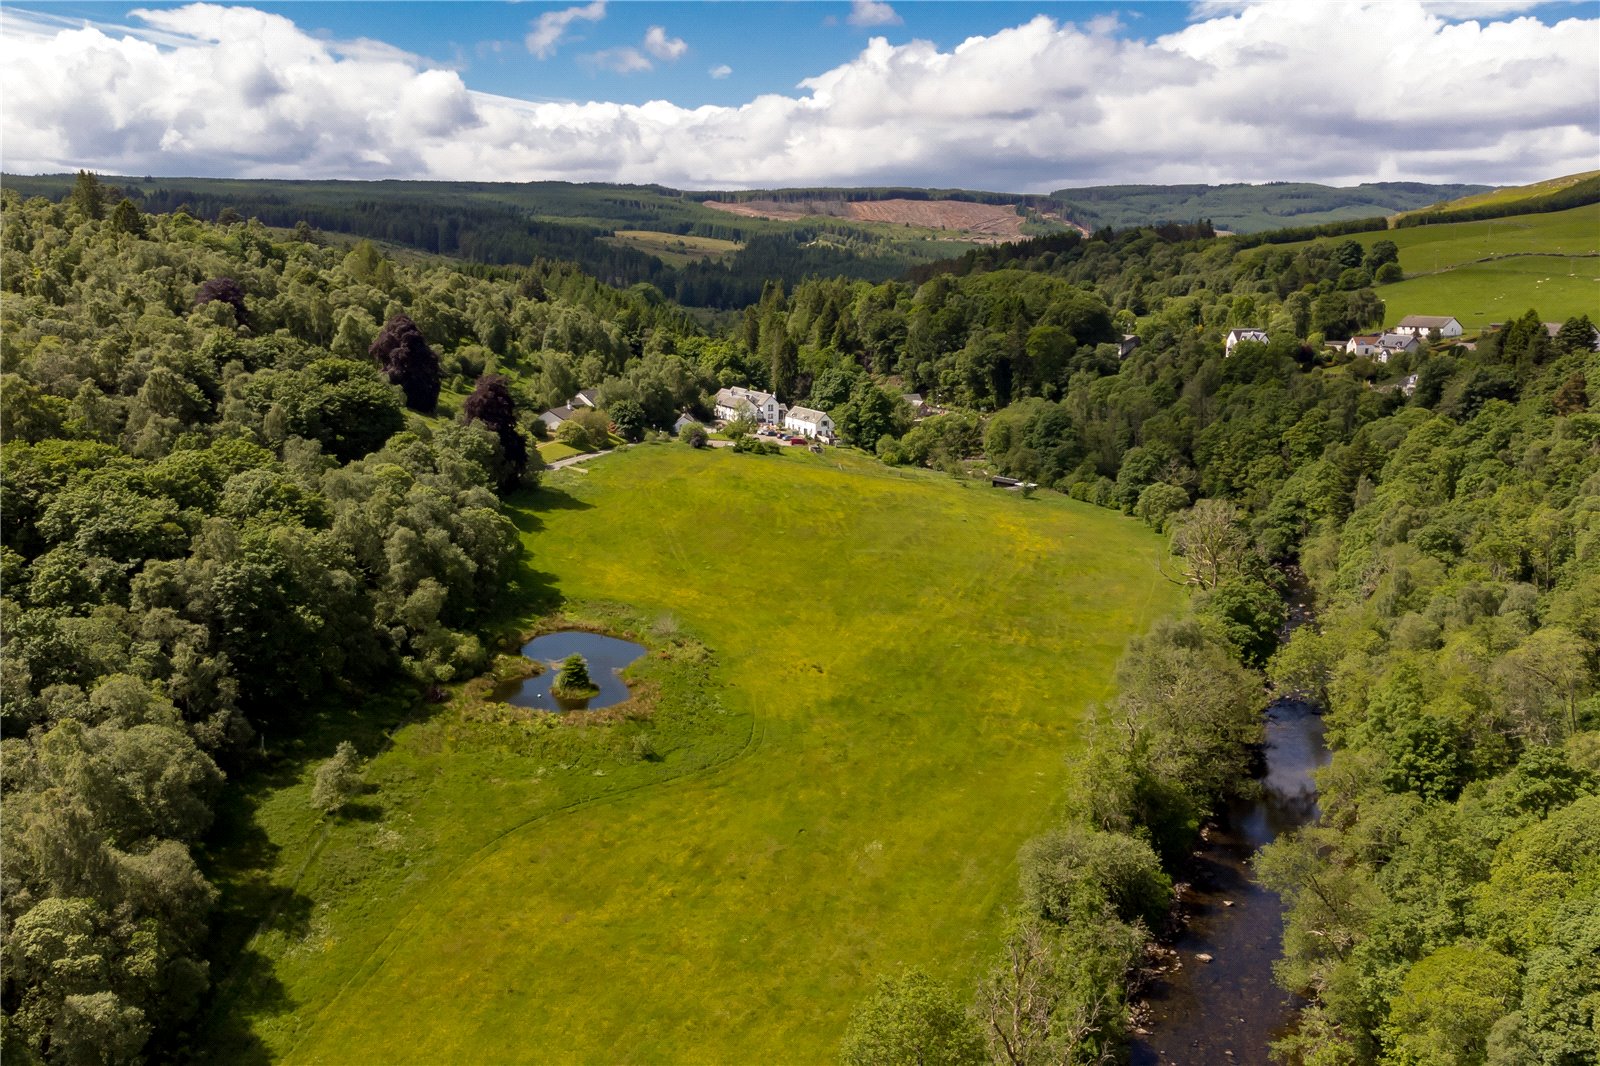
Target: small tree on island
573, 679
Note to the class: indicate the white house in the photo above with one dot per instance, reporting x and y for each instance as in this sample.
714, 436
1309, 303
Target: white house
557, 415
1255, 336
808, 422
1366, 344
586, 398
1409, 385
760, 407
1395, 344
1425, 325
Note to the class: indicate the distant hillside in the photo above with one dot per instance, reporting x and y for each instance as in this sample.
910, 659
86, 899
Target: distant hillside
1250, 208
1511, 194
1556, 194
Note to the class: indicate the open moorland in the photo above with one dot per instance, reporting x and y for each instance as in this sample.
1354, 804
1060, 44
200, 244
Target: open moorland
863, 685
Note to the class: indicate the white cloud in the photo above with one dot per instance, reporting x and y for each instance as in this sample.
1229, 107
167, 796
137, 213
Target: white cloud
1340, 92
550, 27
721, 70
619, 60
658, 44
1480, 9
872, 13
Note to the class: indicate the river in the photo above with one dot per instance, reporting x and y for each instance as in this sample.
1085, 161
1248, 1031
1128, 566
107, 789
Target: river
1229, 1010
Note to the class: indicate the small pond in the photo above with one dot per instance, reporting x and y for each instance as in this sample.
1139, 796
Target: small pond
606, 657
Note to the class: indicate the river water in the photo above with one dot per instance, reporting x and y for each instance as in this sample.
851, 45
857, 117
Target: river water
1229, 1010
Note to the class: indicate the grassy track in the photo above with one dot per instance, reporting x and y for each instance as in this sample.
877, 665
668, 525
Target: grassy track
901, 662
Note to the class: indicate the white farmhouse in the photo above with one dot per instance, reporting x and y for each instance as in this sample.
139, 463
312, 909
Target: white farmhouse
1425, 325
808, 422
1255, 336
762, 408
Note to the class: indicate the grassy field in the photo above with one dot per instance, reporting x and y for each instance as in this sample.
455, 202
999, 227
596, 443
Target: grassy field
1493, 270
674, 249
862, 686
1557, 287
1513, 193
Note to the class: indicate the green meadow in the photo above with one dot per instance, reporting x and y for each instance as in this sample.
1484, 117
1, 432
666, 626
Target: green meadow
1495, 269
675, 249
1558, 287
861, 686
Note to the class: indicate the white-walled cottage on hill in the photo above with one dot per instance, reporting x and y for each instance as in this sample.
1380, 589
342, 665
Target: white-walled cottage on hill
760, 407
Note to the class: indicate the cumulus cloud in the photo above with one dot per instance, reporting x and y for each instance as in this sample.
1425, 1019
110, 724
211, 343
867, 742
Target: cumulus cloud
872, 13
721, 70
1341, 92
658, 44
550, 27
619, 60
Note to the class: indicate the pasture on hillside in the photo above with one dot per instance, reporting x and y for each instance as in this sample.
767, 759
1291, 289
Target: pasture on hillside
1558, 287
1427, 249
864, 682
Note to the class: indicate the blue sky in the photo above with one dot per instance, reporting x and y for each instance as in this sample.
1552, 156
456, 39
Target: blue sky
770, 47
1014, 96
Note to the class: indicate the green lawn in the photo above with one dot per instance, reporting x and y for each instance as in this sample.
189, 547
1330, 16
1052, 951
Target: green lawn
552, 450
897, 664
1558, 287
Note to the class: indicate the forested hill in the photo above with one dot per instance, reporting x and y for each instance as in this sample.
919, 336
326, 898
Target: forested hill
1250, 208
614, 231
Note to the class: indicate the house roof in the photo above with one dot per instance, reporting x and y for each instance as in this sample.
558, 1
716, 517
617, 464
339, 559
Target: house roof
1363, 338
1396, 340
1427, 321
559, 414
807, 414
912, 398
589, 397
734, 396
1247, 331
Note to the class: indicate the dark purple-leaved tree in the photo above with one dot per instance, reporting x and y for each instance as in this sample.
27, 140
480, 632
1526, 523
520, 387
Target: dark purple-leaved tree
491, 404
224, 290
403, 354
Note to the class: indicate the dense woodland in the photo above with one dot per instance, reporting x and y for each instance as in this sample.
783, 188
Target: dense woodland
228, 446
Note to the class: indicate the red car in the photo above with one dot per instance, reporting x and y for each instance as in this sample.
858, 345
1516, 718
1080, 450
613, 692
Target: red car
797, 440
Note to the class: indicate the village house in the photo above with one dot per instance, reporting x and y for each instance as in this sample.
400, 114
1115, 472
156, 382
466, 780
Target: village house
919, 407
1363, 345
1129, 342
684, 419
1255, 336
762, 408
586, 398
1427, 325
557, 415
1554, 328
808, 422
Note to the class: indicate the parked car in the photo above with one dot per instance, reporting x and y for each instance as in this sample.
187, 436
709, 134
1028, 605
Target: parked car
797, 440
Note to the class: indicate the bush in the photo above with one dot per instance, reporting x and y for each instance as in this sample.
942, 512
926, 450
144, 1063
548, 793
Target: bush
694, 436
338, 780
910, 1021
